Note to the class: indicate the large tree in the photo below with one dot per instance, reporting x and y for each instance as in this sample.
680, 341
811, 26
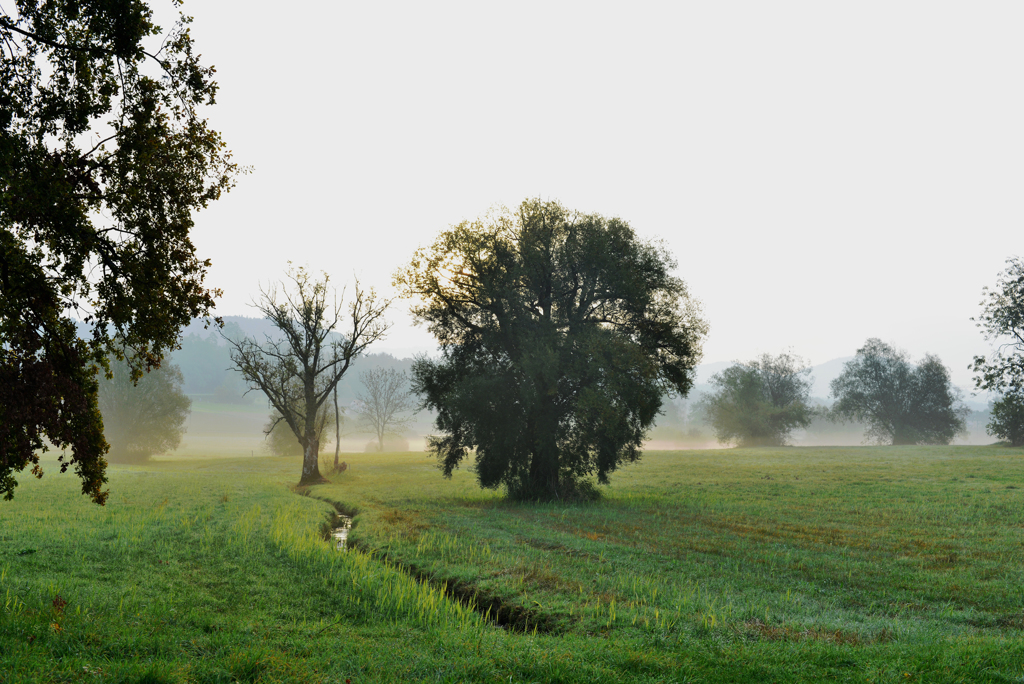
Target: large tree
146, 417
761, 402
299, 369
559, 334
901, 403
103, 159
1002, 322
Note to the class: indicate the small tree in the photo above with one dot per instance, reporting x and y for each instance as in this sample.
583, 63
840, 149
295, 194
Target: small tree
900, 403
300, 370
761, 402
1002, 321
143, 419
385, 397
1008, 419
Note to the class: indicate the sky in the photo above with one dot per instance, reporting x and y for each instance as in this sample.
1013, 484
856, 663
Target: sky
822, 172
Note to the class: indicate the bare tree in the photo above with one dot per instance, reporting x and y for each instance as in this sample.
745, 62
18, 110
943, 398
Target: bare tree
300, 370
385, 398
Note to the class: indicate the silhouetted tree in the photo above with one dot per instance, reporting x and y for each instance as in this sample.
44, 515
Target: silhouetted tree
383, 400
145, 418
559, 334
900, 403
102, 162
299, 371
761, 402
1002, 321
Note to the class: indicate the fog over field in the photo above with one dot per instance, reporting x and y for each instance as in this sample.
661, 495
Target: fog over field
228, 420
822, 173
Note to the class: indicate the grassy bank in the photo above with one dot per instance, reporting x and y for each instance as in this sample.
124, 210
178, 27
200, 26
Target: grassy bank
852, 564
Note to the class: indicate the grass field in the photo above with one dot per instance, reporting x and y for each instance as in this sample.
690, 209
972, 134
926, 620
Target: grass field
774, 565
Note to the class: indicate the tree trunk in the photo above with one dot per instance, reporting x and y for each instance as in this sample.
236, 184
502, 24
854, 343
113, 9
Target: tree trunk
544, 464
903, 437
311, 451
337, 430
311, 463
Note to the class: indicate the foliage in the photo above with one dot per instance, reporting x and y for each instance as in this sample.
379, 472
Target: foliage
1008, 419
145, 418
103, 159
900, 403
385, 397
1002, 321
559, 334
299, 371
761, 402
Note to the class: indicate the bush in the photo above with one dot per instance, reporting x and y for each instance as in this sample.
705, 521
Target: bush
280, 439
1008, 419
390, 444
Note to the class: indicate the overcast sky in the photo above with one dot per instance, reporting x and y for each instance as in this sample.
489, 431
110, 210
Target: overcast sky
823, 172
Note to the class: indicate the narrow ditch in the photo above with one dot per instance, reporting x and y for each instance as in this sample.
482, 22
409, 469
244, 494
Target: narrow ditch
340, 532
337, 527
497, 611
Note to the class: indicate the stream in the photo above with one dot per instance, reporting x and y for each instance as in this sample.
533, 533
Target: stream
340, 532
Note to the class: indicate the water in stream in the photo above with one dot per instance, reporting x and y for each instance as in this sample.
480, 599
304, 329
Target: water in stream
340, 533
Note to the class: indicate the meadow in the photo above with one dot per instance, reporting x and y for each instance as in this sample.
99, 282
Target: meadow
860, 564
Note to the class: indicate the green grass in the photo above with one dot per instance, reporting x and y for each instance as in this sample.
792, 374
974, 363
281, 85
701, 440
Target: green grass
774, 565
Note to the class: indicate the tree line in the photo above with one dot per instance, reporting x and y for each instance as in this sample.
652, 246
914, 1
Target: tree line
760, 403
148, 416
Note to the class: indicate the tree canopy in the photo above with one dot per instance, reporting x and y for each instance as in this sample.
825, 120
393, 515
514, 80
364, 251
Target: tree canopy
142, 418
559, 334
761, 402
103, 159
901, 403
1002, 322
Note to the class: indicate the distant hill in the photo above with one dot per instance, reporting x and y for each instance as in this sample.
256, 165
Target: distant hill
251, 327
